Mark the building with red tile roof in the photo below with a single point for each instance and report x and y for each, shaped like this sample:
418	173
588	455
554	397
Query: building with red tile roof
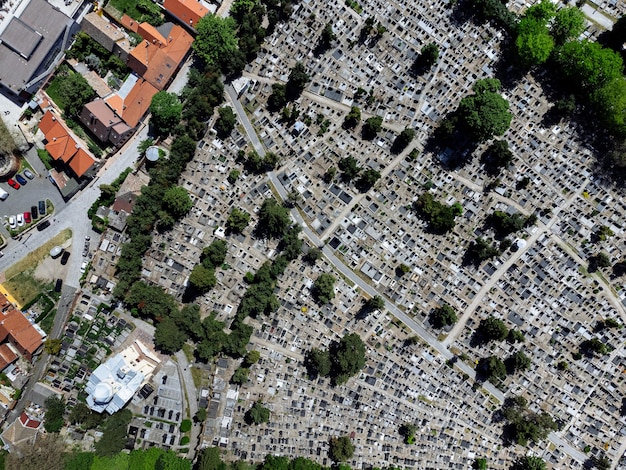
160	54
8	355
188	12
29	422
63	145
17	330
132	107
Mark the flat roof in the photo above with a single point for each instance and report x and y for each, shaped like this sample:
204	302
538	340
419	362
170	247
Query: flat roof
30	44
21	38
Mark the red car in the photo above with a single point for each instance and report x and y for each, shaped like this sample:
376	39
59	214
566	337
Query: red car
27	218
14	184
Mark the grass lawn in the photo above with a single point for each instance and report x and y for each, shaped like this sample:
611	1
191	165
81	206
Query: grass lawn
21	283
47	322
53	91
197	376
127	6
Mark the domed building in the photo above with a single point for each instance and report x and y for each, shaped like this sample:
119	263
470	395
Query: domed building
114	382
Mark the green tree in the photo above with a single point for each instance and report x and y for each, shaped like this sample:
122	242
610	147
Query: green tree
340	449
440	217
312	255
201	415
327	37
273	219
252	357
298	78
497	156
209	459
480	250
491	368
237	220
214	255
258	414
367	179
480	464
75	92
348	358
216	40
52	346
491	329
202	279
349	168
403	140
443	316
114	434
79	414
240	376
485	113
323	290
176	201
352	118
55	409
587	65
529	462
372	126
233	176
427	57
278	99
375	303
168	337
166	110
516	362
318	362
534	43
569	23
407	431
226	122
610	103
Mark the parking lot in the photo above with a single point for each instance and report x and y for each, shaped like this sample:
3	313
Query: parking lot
38	189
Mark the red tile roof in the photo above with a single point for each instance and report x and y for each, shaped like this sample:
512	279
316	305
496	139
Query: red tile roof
7	356
187	11
28	422
136	104
81	162
14	325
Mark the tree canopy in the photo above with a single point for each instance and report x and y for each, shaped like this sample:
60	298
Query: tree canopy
257	414
75	92
274	219
216	40
340	449
440	217
55	409
237	221
492	328
443	316
226	122
485	113
323	289
569	23
166	110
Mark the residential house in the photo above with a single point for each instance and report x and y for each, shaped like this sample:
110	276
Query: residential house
102	121
63	145
188	12
17	330
107	34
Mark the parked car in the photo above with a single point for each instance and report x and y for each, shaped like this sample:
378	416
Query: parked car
43	225
14	184
58	285
20	179
27	218
3	194
12	222
28	174
65	257
42	207
83	266
56	251
20	220
34	212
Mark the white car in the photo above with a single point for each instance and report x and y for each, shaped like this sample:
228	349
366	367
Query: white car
12	222
83	267
20	220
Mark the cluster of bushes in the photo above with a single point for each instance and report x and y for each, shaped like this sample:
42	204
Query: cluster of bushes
96	57
202	277
524	425
106	198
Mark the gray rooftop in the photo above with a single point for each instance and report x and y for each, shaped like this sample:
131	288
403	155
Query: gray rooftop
30	43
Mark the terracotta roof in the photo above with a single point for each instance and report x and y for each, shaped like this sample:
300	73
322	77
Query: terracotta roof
187	11
125	203
102	112
29	422
160	59
129	23
150	34
81	162
14	324
136	104
62	146
7	356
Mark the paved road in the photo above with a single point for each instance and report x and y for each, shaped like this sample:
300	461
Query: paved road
184	370
418	329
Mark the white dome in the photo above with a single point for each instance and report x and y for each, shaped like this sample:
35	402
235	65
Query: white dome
102	393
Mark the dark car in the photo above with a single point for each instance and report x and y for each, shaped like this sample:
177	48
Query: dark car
42	207
14	184
58	285
34	212
65	257
20	179
43	225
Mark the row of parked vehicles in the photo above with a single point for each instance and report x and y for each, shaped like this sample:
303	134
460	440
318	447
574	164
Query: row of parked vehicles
17	182
20	220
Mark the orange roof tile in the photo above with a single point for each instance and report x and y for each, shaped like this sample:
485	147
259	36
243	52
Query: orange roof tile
129	23
7	356
150	34
61	148
81	162
187	11
15	324
136	104
48	121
